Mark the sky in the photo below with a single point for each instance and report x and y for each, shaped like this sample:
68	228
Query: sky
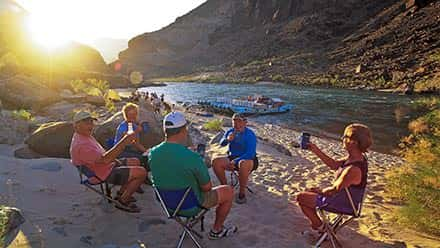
54	21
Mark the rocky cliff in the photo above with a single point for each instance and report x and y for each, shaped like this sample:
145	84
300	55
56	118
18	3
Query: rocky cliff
313	41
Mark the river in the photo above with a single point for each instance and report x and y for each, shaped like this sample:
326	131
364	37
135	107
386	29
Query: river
321	111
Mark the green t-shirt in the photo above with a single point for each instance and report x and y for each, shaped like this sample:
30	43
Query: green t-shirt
173	166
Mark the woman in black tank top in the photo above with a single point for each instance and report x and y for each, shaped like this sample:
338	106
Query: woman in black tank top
351	173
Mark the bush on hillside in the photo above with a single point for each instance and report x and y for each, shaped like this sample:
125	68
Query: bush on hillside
417	184
214	125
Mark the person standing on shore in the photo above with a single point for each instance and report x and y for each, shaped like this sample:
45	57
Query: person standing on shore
242	154
352	173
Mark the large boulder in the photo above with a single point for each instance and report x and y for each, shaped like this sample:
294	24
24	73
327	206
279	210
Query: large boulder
52	139
23	92
10	222
13	130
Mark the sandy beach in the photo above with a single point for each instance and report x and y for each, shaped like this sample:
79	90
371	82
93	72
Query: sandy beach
60	212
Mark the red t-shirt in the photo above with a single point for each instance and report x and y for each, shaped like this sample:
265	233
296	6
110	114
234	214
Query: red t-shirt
85	150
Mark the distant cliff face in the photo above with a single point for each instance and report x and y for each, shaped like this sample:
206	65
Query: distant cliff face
225	31
297	37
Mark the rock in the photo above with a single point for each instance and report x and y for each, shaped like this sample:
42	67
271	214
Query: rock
23	92
360	69
397	76
10	221
26	153
87	240
12	130
216	139
60	231
49	166
52	139
145	225
227	122
405	89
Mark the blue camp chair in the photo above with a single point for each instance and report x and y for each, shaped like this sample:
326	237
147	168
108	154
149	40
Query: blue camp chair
173	202
89	179
343	217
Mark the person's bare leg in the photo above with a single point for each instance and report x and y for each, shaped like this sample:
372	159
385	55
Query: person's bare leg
225	194
136	178
219	166
307	202
245	169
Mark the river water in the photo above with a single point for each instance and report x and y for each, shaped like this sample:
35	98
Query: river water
321	111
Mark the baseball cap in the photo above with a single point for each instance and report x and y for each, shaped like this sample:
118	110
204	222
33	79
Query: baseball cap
82	115
239	116
174	120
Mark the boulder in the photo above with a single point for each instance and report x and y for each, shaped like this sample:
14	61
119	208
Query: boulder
22	92
52	139
13	130
10	222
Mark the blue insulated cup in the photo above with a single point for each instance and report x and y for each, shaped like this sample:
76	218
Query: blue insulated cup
304	140
201	150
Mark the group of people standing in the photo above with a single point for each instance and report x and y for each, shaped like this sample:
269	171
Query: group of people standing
175	166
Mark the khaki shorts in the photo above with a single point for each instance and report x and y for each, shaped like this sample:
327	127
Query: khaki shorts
210	199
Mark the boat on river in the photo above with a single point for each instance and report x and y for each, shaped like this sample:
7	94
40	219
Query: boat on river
252	105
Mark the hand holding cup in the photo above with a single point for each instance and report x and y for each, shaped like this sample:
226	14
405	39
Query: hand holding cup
231	136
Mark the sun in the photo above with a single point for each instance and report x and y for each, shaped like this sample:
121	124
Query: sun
47	32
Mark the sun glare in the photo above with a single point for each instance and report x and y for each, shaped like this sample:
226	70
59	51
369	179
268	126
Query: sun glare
47	32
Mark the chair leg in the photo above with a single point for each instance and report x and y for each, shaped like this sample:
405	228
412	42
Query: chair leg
108	191
181	238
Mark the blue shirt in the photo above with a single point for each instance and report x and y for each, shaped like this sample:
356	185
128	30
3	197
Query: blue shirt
243	146
122	128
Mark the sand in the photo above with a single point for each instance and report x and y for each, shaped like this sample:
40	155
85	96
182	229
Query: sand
60	212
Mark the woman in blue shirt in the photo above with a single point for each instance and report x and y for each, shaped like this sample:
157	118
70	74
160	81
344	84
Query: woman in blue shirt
130	113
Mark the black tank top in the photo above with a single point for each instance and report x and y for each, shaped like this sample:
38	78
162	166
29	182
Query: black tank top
362	165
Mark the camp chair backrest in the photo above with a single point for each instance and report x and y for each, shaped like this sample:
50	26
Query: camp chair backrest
177	200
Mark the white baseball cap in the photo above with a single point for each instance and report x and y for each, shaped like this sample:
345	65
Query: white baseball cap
174	120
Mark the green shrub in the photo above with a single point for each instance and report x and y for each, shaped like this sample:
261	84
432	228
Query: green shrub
96	87
417	183
214	125
278	78
22	114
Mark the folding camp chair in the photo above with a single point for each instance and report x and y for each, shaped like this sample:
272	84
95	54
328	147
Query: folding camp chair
342	218
86	178
235	178
235	181
173	202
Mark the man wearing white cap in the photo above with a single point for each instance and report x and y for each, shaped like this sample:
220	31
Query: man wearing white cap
173	166
86	151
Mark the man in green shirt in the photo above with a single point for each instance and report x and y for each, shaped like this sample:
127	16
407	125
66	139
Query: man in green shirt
173	166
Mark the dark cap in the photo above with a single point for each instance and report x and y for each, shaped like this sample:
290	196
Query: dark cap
239	116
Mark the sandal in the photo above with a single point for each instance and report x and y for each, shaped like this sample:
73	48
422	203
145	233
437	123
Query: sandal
130	199
225	232
128	207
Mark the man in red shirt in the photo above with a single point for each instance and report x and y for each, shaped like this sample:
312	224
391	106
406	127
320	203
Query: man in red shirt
86	151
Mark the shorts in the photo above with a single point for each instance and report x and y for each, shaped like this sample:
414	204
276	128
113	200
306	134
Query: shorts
237	166
210	199
120	173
